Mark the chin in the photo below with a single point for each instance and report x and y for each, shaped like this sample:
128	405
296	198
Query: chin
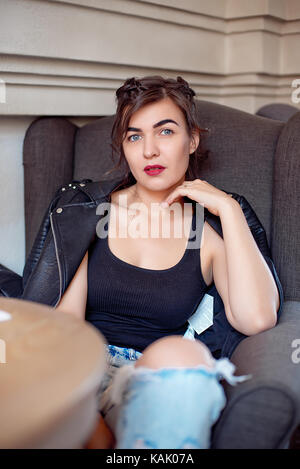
157	185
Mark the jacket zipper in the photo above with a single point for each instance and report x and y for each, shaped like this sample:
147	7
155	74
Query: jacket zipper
58	263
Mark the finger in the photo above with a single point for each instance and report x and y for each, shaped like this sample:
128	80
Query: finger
179	191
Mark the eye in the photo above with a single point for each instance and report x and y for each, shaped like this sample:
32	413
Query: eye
134	135
168	130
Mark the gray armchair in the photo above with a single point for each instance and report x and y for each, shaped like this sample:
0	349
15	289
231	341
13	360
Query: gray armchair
256	157
278	111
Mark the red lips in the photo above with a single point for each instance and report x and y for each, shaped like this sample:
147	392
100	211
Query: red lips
154	169
153	166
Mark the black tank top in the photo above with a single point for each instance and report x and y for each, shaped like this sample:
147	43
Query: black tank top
134	306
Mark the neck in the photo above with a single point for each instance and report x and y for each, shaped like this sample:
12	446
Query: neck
142	194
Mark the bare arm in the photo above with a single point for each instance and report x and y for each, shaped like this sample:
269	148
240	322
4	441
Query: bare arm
244	277
74	299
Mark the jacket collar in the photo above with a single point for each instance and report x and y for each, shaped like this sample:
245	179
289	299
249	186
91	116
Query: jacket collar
100	190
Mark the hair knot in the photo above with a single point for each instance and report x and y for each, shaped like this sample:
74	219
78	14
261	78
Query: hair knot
131	86
185	88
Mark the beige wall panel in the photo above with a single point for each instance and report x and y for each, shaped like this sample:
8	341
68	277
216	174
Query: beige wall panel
291	55
66	31
56	100
244	8
244	52
271	46
213	7
293	9
202	14
277	8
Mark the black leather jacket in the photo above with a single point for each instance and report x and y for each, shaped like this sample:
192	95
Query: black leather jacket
65	234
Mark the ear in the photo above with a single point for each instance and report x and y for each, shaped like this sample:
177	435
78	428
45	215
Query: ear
194	142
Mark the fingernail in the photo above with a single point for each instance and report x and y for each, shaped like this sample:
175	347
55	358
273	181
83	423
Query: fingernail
164	204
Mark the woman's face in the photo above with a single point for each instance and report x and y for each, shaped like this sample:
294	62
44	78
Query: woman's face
157	135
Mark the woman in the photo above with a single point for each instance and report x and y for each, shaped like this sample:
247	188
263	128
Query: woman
150	284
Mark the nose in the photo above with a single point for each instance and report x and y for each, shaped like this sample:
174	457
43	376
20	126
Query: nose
150	147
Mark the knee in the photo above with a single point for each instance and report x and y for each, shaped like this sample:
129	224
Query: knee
175	351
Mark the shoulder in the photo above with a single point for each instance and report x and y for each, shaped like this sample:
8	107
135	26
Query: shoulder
116	193
77	191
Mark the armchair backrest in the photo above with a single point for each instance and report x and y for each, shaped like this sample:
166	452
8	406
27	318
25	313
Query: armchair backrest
278	111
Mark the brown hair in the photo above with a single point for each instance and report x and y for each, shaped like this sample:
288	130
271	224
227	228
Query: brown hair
134	94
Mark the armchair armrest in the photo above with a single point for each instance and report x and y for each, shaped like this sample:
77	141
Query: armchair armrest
10	283
263	411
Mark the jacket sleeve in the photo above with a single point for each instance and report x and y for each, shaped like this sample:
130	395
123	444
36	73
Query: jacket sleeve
64	194
40	238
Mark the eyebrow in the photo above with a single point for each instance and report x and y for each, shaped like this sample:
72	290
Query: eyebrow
158	124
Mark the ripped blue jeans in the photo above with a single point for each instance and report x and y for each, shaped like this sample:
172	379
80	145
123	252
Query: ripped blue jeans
166	408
